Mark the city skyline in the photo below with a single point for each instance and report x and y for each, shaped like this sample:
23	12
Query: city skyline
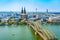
30	5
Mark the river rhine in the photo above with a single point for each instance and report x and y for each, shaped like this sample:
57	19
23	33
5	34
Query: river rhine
24	32
20	32
54	28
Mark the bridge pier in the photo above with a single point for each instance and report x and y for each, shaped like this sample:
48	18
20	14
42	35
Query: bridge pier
35	33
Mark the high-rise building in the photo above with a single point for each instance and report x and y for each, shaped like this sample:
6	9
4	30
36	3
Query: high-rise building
46	10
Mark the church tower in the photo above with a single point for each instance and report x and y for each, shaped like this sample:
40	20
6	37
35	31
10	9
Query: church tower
22	10
23	13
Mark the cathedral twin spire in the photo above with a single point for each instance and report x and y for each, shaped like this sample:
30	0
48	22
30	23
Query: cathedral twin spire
23	10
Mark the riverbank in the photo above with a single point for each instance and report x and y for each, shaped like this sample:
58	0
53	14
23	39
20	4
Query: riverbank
14	22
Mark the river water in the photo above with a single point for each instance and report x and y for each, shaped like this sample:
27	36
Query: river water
24	32
54	28
20	32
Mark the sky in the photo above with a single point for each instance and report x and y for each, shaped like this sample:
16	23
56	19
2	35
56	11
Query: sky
30	5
